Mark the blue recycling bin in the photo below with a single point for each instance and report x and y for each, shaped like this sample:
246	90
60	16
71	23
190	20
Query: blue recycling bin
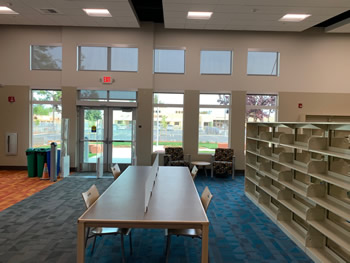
58	160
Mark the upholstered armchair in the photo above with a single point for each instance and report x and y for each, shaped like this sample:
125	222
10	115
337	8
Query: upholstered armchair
223	162
174	156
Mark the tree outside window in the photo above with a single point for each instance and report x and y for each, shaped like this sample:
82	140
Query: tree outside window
261	108
46	117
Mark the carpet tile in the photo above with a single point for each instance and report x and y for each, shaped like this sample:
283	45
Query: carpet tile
42	228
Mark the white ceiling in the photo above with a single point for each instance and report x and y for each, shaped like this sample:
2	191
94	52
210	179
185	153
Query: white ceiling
257	15
70	13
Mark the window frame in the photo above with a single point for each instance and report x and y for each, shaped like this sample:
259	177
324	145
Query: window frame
31	50
231	62
265	51
164	105
109	58
177	49
260	107
209	106
41	102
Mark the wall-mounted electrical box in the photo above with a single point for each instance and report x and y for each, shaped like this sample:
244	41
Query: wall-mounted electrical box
11	143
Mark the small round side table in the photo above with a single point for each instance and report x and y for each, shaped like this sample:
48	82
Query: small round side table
203	164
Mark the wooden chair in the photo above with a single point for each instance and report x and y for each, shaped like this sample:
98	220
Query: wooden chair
194	172
194	233
116	171
90	197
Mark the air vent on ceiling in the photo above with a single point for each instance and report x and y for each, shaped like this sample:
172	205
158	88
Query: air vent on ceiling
48	11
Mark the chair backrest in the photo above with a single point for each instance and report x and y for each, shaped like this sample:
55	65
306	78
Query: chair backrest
90	196
223	154
194	172
206	198
116	171
176	153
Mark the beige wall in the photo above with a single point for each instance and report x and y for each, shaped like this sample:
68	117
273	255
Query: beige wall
15	50
313	65
141	38
144	122
14	118
191	120
238	127
313	104
69	111
310	61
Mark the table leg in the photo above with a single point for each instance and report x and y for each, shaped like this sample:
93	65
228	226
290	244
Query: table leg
80	243
205	170
205	241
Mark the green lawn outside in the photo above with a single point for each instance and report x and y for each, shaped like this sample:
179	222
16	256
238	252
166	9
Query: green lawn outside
116	144
173	144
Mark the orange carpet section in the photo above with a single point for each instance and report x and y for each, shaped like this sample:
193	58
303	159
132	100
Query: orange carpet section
16	186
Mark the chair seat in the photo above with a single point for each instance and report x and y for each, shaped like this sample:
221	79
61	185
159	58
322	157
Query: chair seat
222	167
109	230
191	232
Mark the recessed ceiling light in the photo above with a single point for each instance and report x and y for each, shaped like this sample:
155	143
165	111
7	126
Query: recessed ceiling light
199	15
294	17
4	10
97	12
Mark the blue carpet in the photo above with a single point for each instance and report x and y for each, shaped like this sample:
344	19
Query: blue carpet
239	232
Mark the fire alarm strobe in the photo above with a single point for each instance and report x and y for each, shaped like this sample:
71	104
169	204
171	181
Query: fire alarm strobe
11	99
300	105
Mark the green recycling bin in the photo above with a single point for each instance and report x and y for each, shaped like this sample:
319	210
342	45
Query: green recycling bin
31	162
40	160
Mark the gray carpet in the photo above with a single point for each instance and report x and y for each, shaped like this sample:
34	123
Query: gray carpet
42	228
90	175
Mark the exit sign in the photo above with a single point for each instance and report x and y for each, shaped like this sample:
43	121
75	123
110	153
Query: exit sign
107	80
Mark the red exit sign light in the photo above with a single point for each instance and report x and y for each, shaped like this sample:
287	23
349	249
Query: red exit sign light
107	80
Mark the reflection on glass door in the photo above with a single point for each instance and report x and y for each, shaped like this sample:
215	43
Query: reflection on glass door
106	134
121	135
93	135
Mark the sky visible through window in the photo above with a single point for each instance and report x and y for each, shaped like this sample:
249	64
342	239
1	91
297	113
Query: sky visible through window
169	61
262	63
93	58
215	62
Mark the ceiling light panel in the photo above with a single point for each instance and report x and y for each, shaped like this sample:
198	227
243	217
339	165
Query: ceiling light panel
294	17
4	10
97	12
199	15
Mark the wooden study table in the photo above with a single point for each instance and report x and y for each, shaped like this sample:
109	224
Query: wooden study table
175	204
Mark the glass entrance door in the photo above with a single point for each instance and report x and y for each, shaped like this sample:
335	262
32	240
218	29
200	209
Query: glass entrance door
106	133
92	137
121	132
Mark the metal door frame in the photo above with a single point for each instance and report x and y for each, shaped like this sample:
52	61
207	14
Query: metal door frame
107	137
